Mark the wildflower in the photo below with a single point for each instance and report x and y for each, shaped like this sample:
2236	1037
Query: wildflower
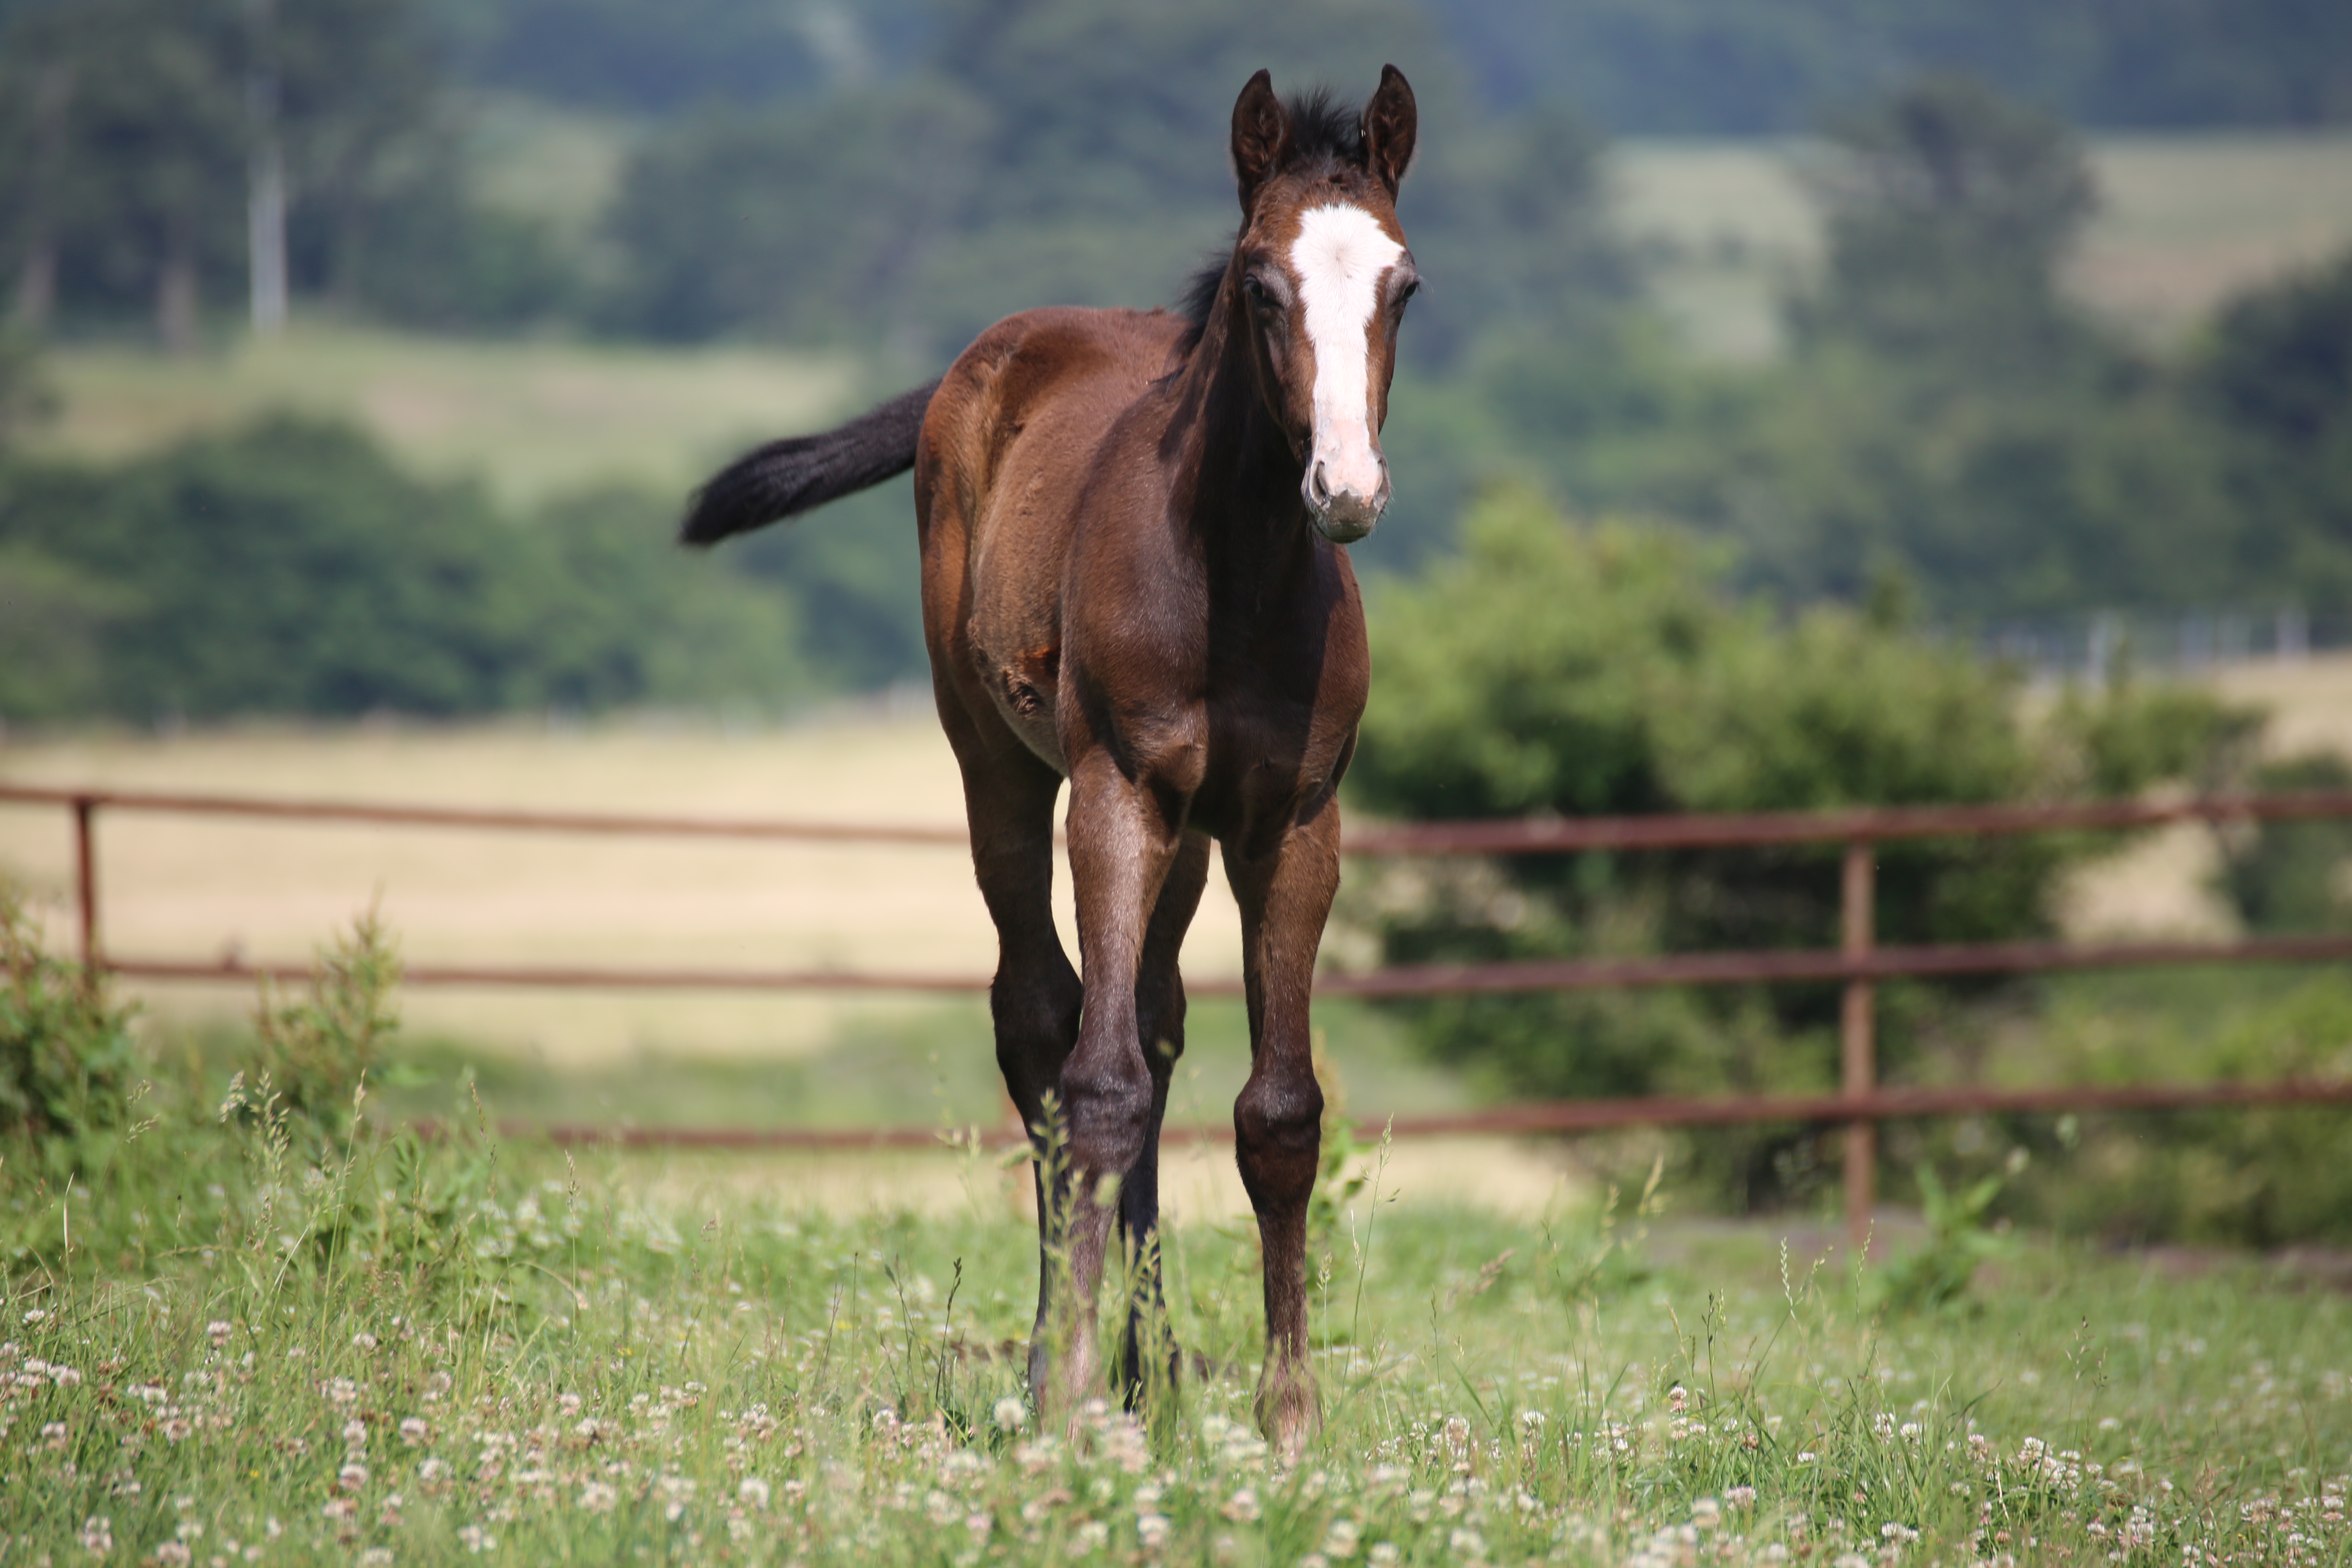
477	1540
1011	1415
218	1331
1152	1531
1092	1537
598	1497
414	1431
1807	1457
977	1526
98	1535
1339	1541
37	1315
1242	1506
53	1435
1677	1400
355	1434
1706	1513
1739	1497
352	1477
376	1557
364	1341
178	1430
1467	1543
753	1493
175	1554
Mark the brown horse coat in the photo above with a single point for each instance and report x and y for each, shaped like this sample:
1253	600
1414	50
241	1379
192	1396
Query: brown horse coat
1130	526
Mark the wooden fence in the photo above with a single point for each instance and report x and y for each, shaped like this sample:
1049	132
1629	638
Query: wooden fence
1857	963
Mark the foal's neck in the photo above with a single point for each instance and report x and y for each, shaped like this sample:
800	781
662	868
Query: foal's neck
1242	490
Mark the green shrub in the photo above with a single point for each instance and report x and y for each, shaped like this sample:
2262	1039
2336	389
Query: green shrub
67	1063
1561	670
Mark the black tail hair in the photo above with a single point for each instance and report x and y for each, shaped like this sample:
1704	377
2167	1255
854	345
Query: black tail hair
800	473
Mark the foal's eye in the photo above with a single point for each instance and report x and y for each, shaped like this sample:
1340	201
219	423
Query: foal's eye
1413	287
1260	297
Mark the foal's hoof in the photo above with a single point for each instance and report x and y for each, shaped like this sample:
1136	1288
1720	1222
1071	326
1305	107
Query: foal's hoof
1288	1413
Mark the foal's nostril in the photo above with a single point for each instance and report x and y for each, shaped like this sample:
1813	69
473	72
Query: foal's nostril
1318	489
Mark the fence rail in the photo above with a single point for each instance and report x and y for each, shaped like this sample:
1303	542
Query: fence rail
1857	963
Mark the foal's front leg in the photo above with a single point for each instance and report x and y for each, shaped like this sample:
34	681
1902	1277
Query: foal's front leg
1285	897
1122	847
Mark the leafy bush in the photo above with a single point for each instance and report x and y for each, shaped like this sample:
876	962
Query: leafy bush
2288	876
67	1064
291	567
2254	1176
1580	671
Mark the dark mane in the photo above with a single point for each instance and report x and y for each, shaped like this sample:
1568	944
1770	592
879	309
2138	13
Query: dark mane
1323	132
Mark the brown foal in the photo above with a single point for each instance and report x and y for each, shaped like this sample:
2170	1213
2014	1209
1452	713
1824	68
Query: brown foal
1130	526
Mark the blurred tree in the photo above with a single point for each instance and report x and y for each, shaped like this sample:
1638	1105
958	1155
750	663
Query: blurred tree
2275	373
1948	211
130	131
122	154
290	568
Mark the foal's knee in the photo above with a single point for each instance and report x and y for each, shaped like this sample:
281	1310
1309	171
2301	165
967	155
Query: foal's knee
1278	1134
1107	1104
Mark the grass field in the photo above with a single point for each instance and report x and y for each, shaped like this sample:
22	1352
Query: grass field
2184	221
409	1355
531	418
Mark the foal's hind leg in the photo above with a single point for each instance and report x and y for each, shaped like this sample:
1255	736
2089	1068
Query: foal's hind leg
1034	998
1147	1349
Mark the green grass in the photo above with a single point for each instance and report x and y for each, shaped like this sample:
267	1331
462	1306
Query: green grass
929	1067
537	1357
260	1326
2184	221
531	418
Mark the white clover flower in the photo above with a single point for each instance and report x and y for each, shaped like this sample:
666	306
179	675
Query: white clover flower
1092	1537
753	1493
598	1497
218	1331
1242	1506
1012	1414
352	1477
414	1431
1739	1497
363	1340
98	1535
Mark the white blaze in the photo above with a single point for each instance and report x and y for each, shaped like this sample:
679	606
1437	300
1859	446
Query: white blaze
1339	257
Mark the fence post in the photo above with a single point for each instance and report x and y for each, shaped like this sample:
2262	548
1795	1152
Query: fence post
1859	1043
85	880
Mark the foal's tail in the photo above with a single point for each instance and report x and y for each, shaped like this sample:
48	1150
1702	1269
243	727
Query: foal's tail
784	478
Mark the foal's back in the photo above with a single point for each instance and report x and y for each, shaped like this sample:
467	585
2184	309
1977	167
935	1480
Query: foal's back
1008	453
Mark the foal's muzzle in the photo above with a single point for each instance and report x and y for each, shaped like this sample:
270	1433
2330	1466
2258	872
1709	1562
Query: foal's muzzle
1342	516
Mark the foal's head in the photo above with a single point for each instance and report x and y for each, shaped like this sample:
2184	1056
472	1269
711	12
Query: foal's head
1318	280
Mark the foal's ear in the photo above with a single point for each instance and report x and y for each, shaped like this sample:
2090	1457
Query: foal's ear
1261	130
1390	123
